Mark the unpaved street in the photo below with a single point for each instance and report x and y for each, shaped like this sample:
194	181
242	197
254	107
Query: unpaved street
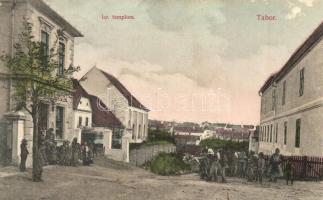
107	180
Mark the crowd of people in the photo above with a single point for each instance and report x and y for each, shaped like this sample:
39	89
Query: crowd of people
67	154
251	166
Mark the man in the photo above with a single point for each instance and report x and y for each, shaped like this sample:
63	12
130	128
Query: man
224	164
242	164
75	152
23	155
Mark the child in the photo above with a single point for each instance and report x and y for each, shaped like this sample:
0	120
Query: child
289	172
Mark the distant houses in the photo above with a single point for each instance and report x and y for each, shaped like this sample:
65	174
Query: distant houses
291	102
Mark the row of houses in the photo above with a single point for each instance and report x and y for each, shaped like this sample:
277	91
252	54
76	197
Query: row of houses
292	102
99	109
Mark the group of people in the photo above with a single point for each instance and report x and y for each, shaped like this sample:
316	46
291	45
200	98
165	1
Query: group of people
251	166
67	154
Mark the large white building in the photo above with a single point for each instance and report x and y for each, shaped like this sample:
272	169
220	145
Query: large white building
292	103
132	114
59	115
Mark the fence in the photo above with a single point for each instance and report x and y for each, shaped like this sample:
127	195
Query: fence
140	156
304	167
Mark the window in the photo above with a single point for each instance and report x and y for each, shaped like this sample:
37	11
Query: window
285	133
298	133
276	134
271	133
45	47
133	132
61	58
59	121
284	93
80	121
273	105
301	82
87	122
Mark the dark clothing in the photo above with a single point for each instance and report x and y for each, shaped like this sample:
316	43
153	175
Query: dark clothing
289	173
23	157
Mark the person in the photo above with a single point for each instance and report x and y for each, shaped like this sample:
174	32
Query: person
261	166
223	160
289	176
250	166
242	164
85	152
275	168
68	153
75	152
234	164
203	164
23	155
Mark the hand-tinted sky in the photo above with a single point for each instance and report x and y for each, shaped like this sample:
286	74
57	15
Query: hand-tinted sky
191	60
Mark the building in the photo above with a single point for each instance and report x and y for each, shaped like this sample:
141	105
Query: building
98	125
132	114
292	102
190	135
16	125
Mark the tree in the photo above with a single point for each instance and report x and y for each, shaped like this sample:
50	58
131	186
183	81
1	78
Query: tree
36	79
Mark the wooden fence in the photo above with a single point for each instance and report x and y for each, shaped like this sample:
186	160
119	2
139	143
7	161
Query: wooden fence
304	167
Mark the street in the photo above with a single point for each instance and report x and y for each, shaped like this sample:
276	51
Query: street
113	180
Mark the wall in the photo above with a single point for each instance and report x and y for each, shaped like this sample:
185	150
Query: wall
307	108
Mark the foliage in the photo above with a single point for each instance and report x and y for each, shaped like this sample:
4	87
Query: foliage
225	144
168	164
160	135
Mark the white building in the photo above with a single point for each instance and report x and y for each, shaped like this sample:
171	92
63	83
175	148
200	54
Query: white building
59	115
132	114
98	125
292	103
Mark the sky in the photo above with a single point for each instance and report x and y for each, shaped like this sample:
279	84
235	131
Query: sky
191	60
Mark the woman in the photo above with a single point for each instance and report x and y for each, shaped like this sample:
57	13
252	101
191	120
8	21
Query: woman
275	162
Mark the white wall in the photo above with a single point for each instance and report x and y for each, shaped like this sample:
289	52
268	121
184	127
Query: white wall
308	108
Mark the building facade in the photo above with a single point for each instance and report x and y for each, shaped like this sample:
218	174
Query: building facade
132	114
292	103
59	115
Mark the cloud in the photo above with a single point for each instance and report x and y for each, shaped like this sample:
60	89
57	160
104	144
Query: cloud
308	3
294	12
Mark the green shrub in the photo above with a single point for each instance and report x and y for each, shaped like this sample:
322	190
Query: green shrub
160	135
168	164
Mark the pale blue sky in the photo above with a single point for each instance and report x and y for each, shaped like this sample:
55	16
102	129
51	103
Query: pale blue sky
191	60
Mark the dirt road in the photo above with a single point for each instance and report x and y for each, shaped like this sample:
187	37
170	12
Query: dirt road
106	180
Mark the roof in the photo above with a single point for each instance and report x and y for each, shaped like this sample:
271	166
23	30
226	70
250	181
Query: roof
101	115
78	93
132	101
44	8
189	129
296	56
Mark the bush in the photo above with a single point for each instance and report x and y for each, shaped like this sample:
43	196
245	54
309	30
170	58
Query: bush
160	135
225	144
168	164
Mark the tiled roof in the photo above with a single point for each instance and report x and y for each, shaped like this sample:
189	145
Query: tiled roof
101	115
78	93
132	101
296	56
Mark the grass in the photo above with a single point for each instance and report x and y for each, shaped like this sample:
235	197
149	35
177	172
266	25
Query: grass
168	164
